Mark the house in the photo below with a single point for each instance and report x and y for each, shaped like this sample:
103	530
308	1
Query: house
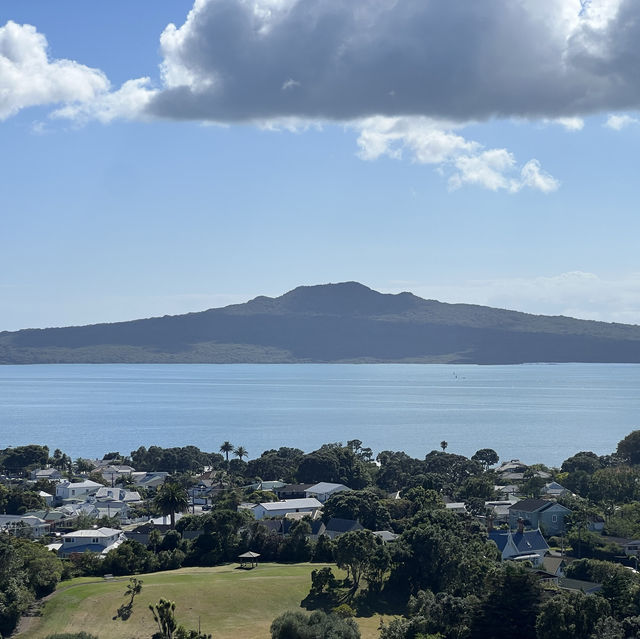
292	491
587	587
631	548
77	490
324	490
500	509
99	540
337	526
554	489
508	492
267	485
46	497
50	474
554	565
24	525
55	518
539	513
117	494
523	545
511	466
281	508
149	481
456	507
114	473
386	535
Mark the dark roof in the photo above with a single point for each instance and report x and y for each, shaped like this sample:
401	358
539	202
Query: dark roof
272	525
527	541
578	584
335	524
293	488
531	505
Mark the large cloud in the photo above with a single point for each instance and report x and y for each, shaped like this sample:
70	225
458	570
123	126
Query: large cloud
237	60
29	78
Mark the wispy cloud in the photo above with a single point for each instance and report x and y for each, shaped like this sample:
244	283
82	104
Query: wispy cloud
575	294
619	122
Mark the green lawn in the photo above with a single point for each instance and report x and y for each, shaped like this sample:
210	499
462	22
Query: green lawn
230	603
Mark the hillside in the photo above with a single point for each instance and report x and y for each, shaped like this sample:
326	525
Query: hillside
345	322
231	603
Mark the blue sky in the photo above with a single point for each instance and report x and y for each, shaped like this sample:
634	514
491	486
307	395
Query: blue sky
409	146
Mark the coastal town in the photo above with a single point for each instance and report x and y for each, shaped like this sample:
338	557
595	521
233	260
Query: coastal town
392	527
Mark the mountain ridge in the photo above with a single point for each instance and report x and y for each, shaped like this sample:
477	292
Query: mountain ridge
340	322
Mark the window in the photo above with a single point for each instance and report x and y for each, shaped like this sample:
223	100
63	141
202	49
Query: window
554	518
94	540
69	540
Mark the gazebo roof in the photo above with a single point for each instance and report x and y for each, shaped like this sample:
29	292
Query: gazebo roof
249	555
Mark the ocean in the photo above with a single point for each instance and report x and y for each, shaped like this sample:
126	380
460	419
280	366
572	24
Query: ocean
537	412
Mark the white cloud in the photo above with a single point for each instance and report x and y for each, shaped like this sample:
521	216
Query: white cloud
29	78
569	124
619	122
427	141
574	294
128	102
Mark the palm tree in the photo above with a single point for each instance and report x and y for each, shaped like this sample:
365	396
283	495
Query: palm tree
172	498
443	445
226	448
241	452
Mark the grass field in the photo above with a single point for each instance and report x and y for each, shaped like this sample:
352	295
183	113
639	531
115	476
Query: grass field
229	603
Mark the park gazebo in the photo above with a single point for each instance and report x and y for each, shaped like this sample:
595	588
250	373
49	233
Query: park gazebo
248	557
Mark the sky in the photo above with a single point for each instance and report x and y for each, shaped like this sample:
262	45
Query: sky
170	156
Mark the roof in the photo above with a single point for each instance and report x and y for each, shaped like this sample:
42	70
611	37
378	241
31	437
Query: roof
249	555
531	505
94	532
335	524
285	504
577	584
87	483
325	487
294	488
385	535
552	564
525	542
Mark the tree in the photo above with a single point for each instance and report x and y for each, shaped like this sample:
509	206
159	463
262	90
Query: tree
164	615
570	615
355	551
172	498
241	452
629	448
318	625
134	588
226	448
443	445
486	456
512	595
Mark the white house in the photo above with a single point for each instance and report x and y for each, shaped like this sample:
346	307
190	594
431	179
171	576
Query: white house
282	508
50	474
99	540
24	526
523	545
104	493
324	490
77	490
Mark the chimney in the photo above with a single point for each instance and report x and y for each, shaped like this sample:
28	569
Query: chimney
520	525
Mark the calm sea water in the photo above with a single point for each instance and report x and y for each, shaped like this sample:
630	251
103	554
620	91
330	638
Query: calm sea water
535	412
